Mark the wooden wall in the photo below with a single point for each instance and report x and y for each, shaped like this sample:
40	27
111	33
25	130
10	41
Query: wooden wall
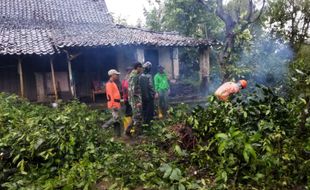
9	78
92	64
31	65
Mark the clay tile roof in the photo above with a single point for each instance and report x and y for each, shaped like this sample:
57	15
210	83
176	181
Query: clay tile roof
44	26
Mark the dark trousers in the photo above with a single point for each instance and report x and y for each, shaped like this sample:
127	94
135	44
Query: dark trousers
163	102
148	109
128	109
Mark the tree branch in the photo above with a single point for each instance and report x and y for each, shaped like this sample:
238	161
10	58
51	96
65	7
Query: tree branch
250	11
249	18
203	2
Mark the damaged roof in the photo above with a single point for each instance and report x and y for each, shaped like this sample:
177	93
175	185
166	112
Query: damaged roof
45	26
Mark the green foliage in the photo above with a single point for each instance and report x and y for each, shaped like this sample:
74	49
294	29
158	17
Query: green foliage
64	148
300	73
50	148
254	141
187	17
290	19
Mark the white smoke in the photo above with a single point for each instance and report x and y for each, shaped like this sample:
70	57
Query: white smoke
267	61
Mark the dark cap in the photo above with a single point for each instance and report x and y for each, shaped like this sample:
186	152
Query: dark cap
137	65
161	67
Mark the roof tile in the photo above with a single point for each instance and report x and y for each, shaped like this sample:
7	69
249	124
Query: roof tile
43	26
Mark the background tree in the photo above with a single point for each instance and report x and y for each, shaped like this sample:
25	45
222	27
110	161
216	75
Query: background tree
189	18
229	24
237	16
256	35
291	19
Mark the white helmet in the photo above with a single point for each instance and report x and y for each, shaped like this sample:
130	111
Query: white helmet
112	72
147	65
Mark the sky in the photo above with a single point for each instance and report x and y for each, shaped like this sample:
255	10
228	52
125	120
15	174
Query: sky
131	10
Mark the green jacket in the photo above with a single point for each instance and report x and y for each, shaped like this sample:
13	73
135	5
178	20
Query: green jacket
161	82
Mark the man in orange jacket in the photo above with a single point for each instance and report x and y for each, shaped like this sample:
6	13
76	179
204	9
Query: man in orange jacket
114	101
229	88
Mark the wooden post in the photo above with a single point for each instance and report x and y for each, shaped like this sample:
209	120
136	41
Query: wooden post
53	78
172	62
176	64
71	81
21	78
71	78
204	60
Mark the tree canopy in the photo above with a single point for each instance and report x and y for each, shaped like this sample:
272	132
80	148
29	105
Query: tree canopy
239	26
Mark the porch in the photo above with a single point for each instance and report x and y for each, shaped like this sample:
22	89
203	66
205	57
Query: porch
72	73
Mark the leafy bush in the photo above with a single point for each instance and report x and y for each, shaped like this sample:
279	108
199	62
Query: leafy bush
50	148
64	148
254	141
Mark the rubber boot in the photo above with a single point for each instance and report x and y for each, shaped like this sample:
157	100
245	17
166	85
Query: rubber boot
128	131
117	129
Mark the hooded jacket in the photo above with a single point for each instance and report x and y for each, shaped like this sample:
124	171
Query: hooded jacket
147	87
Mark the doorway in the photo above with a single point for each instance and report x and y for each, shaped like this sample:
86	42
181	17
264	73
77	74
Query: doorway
152	55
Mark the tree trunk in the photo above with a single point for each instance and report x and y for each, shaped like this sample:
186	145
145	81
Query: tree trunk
204	70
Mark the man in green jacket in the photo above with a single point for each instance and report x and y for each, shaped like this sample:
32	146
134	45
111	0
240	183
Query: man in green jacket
162	88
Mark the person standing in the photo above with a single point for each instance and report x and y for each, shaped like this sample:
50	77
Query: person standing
114	101
162	88
229	88
128	109
135	99
148	93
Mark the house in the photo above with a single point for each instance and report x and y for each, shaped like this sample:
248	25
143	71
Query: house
56	48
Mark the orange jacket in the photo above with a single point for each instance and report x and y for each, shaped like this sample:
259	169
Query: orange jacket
228	88
113	95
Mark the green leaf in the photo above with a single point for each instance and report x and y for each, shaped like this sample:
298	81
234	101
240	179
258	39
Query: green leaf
222	147
299	72
259	176
224	176
164	167
168	172
175	175
16	158
21	166
235	133
68	187
178	150
251	150
143	177
245	114
245	156
38	143
181	187
221	136
255	137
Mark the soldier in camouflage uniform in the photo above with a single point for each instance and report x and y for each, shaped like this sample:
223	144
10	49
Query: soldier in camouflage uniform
135	99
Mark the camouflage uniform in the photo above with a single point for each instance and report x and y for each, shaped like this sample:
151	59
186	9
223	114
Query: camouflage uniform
134	92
